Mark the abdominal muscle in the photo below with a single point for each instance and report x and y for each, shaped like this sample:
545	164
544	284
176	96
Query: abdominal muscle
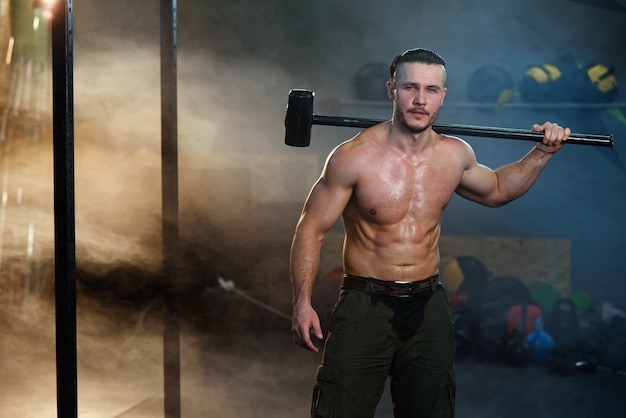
407	251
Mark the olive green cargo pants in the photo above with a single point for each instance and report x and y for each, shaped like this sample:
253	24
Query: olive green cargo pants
373	337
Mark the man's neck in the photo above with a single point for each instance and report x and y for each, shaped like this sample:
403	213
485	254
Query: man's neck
406	139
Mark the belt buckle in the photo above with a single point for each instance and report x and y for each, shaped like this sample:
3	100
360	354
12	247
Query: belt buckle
405	285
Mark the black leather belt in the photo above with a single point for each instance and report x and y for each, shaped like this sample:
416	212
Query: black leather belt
389	288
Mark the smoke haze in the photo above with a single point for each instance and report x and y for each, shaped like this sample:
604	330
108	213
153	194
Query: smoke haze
241	188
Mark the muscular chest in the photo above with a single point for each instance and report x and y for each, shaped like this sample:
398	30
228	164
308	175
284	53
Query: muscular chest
397	190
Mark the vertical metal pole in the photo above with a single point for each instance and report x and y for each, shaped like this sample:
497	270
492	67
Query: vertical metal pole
169	182
64	216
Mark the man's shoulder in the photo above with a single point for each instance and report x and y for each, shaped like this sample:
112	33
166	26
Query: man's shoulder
455	145
453	141
456	150
364	143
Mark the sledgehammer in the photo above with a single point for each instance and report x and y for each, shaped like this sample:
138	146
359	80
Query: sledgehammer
299	120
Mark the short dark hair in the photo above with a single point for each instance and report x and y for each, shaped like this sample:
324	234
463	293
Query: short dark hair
416	55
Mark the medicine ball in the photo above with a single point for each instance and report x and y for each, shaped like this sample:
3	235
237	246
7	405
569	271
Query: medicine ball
544	294
583	302
370	81
466	274
490	337
490	84
594	83
507	290
544	83
465	323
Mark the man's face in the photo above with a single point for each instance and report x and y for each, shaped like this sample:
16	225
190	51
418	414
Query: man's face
418	93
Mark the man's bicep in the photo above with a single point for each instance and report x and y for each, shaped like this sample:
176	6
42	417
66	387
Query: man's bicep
478	183
326	203
332	191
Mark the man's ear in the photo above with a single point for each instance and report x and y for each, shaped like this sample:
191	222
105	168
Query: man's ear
390	89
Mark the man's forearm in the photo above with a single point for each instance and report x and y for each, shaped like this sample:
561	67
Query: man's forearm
305	261
515	179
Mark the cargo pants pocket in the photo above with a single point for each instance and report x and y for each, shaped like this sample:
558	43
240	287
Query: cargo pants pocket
326	382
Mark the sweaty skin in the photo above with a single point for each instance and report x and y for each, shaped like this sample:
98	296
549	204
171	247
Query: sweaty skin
391	184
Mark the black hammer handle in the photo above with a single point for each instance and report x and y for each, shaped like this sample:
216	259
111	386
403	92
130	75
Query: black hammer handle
480	131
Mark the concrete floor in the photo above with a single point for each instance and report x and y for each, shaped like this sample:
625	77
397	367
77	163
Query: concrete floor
240	375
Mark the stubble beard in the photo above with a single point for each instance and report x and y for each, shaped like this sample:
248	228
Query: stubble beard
415	128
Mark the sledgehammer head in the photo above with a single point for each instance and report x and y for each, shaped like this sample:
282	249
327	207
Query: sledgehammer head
299	118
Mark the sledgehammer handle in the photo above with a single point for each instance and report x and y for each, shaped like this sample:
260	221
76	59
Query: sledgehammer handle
480	131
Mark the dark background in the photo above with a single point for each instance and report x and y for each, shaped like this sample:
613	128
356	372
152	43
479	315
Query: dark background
241	188
238	61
